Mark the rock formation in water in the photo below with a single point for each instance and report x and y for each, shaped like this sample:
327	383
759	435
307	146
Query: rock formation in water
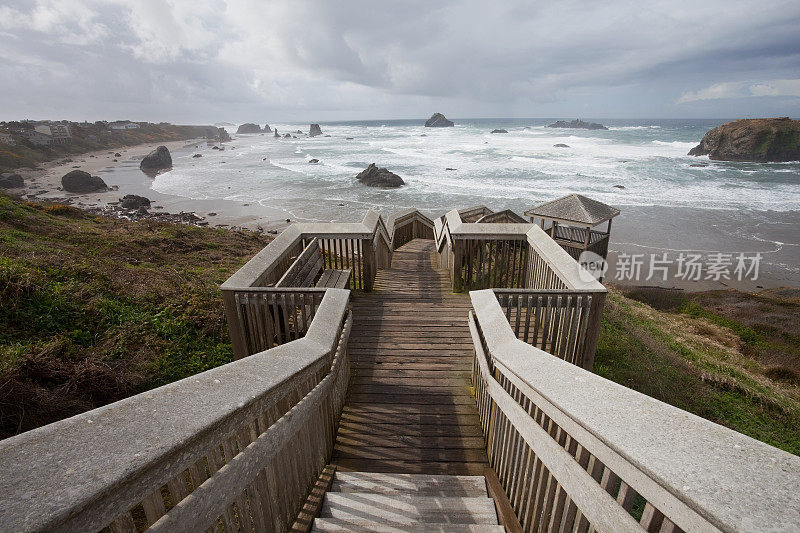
78	181
314	130
277	135
373	176
267	129
438	120
560	145
499	131
577	124
249	128
158	159
759	140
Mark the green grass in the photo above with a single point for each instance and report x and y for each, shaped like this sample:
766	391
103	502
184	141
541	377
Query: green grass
93	310
639	348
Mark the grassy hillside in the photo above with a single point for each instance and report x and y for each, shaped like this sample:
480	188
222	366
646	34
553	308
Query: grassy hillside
728	356
91	137
94	309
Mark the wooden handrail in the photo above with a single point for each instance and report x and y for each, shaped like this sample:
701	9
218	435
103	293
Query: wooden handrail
91	470
593	447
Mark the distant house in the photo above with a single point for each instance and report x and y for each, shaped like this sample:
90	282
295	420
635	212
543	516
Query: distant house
6	138
123	125
39	135
60	133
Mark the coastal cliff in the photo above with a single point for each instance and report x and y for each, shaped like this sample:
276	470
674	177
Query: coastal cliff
759	140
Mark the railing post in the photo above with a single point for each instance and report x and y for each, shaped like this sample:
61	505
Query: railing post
458	259
369	263
235	327
593	329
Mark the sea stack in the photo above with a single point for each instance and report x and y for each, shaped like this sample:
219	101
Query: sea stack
314	130
759	140
267	129
372	176
157	160
438	120
577	124
249	128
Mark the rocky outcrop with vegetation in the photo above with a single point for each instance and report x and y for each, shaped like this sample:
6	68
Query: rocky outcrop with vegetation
438	120
759	140
372	176
577	124
90	137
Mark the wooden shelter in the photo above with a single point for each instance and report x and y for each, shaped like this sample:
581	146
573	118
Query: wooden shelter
571	220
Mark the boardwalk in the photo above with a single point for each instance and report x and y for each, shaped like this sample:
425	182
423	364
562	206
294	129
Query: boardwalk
409	407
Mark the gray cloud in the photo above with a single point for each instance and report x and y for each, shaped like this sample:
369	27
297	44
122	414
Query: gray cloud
302	60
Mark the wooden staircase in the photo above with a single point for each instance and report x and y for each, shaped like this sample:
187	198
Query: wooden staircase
368	501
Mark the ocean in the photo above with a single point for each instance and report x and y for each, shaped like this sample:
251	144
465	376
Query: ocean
633	163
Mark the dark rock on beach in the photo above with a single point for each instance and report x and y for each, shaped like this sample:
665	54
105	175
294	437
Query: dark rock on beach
759	140
372	176
314	130
78	181
438	120
133	201
249	128
117	154
499	131
577	124
560	145
158	159
12	181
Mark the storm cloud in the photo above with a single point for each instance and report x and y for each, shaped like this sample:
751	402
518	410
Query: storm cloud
291	60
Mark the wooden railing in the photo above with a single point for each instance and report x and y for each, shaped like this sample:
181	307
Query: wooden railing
261	315
555	321
573	240
576	452
408	225
235	448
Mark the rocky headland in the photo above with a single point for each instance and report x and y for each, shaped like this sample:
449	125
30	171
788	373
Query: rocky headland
759	140
577	124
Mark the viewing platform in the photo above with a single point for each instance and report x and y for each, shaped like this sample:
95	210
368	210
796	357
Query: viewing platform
400	374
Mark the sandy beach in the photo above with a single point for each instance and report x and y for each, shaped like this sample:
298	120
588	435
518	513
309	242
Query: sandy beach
123	176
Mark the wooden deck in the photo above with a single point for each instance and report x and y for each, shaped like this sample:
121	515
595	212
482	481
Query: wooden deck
409	407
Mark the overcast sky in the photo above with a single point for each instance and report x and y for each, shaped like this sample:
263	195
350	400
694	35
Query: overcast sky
277	61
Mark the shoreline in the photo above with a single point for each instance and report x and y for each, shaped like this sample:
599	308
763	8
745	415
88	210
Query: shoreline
643	230
44	182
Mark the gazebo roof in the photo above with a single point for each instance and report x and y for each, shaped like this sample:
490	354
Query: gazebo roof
575	208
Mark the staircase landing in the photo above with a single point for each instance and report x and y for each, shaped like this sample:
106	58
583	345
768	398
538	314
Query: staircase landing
409	407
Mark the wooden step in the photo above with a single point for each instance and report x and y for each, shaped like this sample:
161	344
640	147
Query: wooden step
400	509
410	484
338	525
